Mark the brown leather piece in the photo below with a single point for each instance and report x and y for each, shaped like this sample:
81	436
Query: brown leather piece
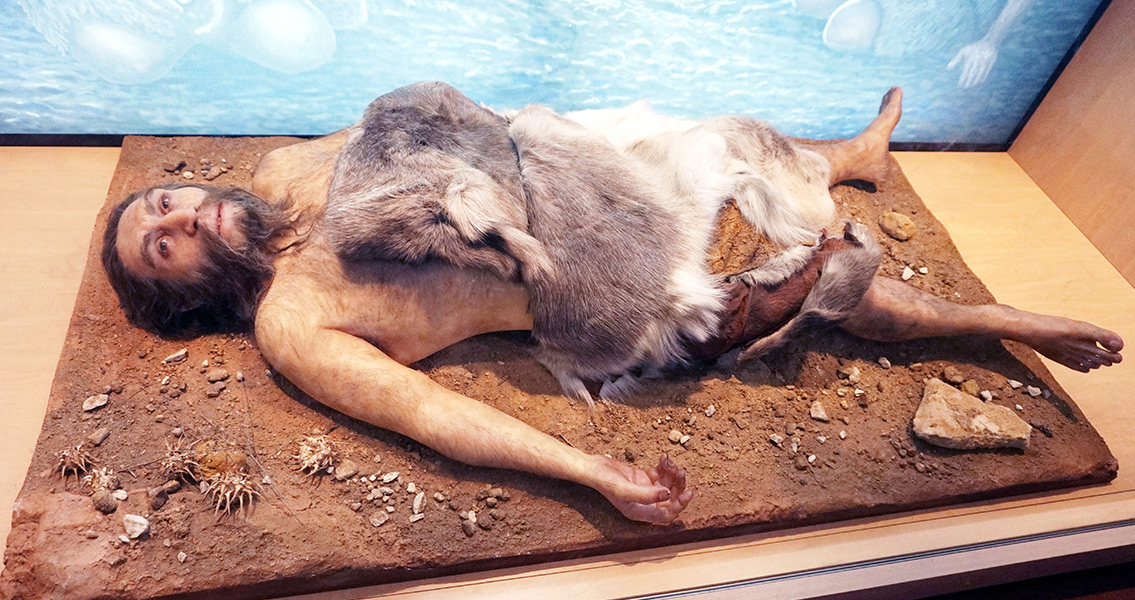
752	312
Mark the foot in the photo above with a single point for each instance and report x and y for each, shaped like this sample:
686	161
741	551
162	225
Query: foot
654	496
1075	344
877	137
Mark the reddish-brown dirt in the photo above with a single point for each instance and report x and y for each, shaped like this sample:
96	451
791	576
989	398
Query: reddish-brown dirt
307	533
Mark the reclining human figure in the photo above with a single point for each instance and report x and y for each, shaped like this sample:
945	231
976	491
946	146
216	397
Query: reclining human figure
434	220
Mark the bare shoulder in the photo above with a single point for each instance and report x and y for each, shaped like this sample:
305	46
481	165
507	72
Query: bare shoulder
302	168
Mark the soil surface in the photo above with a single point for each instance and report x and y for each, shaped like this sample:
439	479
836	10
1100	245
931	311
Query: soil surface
306	532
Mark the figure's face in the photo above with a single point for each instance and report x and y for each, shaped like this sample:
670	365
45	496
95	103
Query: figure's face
168	234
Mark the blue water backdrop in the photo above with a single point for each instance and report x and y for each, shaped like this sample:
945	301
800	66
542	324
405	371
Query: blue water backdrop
693	59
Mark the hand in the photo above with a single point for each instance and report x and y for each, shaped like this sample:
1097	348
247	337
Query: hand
654	496
977	61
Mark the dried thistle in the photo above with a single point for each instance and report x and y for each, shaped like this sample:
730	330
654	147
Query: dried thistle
73	460
225	490
101	479
179	463
317	454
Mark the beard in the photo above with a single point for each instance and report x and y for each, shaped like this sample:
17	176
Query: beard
227	288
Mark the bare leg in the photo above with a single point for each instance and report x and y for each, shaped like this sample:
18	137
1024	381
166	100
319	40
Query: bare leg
865	155
893	311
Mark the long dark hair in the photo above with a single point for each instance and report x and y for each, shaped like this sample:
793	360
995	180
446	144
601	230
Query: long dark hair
223	298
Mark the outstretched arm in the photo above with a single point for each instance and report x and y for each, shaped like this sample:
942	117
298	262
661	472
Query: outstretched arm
355	378
977	59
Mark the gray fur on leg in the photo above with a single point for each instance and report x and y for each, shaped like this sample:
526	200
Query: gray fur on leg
845	279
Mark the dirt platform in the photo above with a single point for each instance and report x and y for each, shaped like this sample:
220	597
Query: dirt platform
306	533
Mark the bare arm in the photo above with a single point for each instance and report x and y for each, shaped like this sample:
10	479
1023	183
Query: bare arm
976	59
352	376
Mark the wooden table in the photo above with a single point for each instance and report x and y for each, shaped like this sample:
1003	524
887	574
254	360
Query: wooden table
1024	249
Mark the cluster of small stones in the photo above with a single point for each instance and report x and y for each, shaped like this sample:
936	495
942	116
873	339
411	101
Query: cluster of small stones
207	169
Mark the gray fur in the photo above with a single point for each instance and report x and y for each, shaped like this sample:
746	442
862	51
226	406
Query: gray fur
779	268
612	304
429	174
841	286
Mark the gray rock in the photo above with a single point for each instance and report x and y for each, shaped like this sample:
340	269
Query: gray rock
675	436
104	501
136	526
1013	383
99	436
414	518
95	401
953	419
1033	391
897	225
379	518
851	374
215	389
817	411
391	476
346	470
468	527
420	502
177	357
952	375
776	439
215	375
884	362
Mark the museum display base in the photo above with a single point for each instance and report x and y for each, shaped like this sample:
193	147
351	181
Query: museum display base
745	483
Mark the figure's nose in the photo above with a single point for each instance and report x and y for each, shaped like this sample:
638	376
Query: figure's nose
184	219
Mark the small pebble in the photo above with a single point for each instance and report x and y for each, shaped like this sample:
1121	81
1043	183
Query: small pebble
817	412
1013	383
776	439
439	496
683	440
821	439
240	375
491	502
414	518
884	362
178	356
136	526
842	435
811	458
675	436
91	534
710	410
181	556
177	432
104	501
1033	391
99	436
379	518
411	488
923	270
95	401
165	380
171	486
420	502
907	273
119	495
391	476
801	462
951	374
1018	407
468	527
986	395
389	509
216	375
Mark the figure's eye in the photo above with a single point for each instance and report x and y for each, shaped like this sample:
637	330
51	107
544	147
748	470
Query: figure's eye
163	248
165	203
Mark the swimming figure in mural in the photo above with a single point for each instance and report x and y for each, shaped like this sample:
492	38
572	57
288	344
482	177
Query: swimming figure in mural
135	41
898	28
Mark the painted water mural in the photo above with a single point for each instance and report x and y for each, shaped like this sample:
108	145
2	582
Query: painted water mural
814	68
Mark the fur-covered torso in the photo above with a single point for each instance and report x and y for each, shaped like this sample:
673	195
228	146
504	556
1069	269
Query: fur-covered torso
605	216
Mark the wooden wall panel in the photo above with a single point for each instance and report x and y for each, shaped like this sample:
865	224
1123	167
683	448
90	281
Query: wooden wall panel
1079	146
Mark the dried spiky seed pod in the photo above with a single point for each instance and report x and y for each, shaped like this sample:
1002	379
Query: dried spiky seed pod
101	479
178	463
317	454
226	490
73	460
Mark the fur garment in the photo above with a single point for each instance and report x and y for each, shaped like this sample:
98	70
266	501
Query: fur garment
605	216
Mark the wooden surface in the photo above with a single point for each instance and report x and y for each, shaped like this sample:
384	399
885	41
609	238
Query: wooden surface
1027	252
1078	145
